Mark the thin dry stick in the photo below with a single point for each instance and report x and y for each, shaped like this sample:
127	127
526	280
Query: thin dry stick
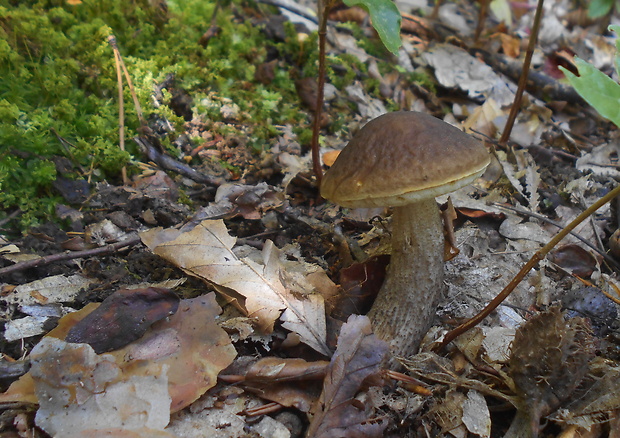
53	258
134	96
132	90
516	106
537	257
121	103
324	7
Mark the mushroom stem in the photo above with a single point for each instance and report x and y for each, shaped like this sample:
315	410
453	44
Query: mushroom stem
405	306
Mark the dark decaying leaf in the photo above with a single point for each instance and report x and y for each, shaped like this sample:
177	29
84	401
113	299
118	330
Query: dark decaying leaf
123	317
360	284
359	355
575	260
549	359
289	382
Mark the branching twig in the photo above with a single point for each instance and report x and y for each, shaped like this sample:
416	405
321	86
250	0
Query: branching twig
61	257
537	257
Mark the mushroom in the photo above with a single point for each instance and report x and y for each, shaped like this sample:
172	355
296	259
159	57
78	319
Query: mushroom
404	160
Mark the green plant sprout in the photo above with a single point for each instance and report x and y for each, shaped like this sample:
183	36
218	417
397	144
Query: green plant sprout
598	89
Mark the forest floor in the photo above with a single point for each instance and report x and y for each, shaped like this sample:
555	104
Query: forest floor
231	294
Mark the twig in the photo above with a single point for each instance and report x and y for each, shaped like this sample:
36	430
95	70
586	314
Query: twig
482	17
61	257
10	217
516	105
609	259
324	7
168	163
537	257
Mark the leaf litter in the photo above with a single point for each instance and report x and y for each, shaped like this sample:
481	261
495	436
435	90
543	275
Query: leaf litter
561	160
264	289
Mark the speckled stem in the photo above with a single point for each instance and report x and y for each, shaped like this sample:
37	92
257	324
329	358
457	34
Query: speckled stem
404	309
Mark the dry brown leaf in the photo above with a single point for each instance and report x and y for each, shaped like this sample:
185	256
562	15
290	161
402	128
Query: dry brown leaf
510	45
275	369
329	157
359	355
300	396
263	290
190	344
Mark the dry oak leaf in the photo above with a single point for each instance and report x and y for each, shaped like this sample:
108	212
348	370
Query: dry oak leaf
263	289
337	414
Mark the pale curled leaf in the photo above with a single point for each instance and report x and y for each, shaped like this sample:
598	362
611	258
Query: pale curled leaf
476	416
264	288
359	355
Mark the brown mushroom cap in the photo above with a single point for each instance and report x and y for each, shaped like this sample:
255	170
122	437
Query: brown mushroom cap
403	157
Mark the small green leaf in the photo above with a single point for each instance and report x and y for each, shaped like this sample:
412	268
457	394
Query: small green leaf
599	8
598	89
385	18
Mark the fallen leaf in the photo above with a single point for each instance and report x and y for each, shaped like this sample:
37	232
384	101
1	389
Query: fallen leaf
158	185
574	259
359	355
330	157
360	284
55	289
251	202
275	369
447	412
123	317
476	416
79	390
455	67
601	399
510	45
189	343
263	289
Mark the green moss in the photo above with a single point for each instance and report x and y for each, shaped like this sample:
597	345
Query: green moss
59	80
59	76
